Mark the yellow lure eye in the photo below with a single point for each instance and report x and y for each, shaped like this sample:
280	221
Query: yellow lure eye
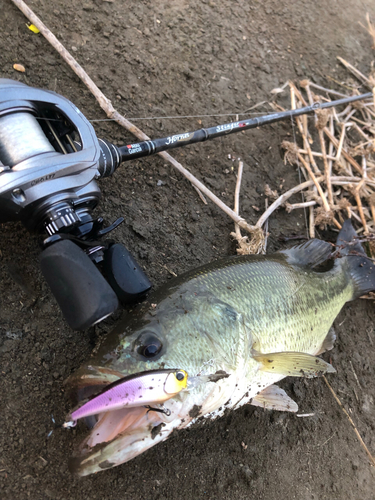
175	382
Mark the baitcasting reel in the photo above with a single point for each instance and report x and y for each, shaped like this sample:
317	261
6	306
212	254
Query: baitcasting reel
50	159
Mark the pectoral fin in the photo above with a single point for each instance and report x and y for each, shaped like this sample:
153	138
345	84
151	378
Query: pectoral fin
274	398
293	364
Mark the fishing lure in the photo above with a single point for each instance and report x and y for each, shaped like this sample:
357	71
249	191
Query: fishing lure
140	389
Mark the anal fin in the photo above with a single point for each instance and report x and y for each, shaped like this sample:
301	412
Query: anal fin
274	398
293	364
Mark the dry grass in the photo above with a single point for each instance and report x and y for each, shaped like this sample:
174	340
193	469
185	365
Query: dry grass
335	152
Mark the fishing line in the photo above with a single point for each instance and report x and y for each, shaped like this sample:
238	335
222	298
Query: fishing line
300	179
175	117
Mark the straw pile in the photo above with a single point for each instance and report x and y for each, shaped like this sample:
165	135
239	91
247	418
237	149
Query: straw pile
336	156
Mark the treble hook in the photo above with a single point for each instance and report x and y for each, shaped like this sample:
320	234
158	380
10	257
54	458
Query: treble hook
164	410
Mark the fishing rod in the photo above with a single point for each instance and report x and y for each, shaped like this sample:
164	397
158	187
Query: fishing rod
146	148
50	160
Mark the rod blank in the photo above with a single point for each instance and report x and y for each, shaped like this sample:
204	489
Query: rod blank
146	148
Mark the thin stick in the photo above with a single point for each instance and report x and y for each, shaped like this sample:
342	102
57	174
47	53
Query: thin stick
360	131
327	166
354	215
265	229
295	206
330	147
366	124
298	93
200	195
295	92
318	155
282	199
346	155
111	112
362	144
361	77
312	223
306	85
318	186
344	180
354	373
372	113
351	422
358	198
346	110
341	142
327	169
372	210
329	91
370	28
305	185
237	198
347	118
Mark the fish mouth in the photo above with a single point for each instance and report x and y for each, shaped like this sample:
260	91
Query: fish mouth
120	435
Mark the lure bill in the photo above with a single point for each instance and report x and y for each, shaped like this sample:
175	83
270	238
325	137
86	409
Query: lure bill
141	389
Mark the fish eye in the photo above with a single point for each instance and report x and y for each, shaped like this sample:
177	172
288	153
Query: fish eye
148	345
180	376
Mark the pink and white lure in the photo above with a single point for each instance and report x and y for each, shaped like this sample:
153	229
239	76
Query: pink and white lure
141	389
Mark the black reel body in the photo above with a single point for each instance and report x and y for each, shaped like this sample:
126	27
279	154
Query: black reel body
50	159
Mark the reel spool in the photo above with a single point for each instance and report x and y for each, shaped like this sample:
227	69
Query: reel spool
50	159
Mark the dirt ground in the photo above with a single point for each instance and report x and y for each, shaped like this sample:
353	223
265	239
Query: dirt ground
162	59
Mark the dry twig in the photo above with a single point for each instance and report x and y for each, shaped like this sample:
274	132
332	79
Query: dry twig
372	460
360	76
370	28
282	199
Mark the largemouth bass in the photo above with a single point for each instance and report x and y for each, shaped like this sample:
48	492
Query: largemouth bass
237	325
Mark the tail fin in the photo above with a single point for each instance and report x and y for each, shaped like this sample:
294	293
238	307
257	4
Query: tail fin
361	268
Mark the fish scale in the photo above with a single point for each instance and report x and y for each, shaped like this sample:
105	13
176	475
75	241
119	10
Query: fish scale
273	297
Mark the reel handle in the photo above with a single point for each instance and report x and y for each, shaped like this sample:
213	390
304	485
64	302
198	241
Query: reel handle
125	275
84	296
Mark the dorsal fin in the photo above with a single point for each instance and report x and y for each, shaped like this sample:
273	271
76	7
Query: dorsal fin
312	253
